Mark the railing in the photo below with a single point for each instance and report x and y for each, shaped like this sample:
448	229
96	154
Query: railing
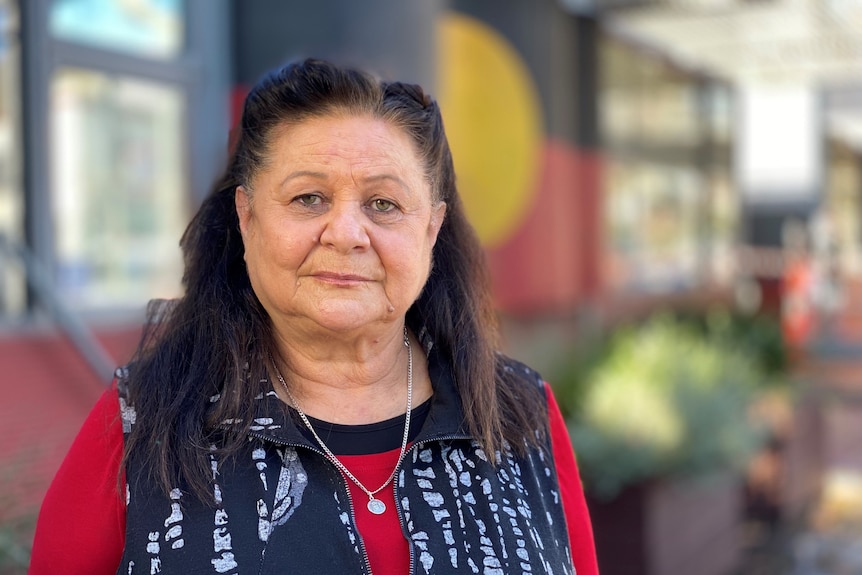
39	280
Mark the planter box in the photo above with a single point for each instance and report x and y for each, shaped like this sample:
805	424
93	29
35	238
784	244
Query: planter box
671	527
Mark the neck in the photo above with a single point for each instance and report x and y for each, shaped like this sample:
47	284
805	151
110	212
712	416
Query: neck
348	381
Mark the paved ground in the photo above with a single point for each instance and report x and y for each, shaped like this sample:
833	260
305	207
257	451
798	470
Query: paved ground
829	542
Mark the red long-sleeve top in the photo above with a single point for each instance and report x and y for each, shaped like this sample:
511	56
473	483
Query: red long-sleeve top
86	488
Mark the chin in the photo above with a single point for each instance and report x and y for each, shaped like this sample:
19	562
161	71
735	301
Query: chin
345	318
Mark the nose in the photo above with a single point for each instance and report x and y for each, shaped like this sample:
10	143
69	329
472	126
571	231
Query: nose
344	228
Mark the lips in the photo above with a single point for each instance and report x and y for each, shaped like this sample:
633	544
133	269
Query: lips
340	278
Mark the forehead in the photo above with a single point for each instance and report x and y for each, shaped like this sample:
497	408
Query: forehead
359	139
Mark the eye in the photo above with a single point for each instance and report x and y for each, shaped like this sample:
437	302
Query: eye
309	200
381	205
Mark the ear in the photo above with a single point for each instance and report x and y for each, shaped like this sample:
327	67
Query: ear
242	201
438	216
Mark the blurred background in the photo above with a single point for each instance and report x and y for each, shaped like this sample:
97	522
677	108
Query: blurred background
669	192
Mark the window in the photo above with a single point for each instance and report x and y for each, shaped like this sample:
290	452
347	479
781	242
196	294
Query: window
119	200
116	156
147	28
672	212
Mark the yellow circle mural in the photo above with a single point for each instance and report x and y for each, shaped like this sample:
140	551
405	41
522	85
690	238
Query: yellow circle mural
493	120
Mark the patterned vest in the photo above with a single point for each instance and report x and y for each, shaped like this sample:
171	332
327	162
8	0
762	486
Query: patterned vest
283	508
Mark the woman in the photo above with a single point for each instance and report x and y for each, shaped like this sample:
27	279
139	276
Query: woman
327	396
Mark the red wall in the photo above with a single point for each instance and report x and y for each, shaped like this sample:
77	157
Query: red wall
551	263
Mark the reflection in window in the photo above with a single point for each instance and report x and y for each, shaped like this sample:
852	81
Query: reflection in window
654	222
149	28
118	189
12	280
672	212
646	102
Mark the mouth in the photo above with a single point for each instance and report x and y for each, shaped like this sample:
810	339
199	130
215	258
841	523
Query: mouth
339	279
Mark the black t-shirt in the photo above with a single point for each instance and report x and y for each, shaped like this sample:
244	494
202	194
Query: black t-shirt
370	438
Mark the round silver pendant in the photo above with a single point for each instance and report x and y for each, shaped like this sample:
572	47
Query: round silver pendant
376	506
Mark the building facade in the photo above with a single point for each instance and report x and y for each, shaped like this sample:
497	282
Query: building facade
600	173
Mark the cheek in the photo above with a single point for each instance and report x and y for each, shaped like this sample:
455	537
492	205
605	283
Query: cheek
270	251
409	264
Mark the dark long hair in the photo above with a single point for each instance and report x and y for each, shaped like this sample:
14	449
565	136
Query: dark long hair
213	341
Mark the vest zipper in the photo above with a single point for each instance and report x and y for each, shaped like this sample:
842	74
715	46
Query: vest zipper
400	511
320	452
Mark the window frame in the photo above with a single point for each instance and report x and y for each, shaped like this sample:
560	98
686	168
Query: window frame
202	72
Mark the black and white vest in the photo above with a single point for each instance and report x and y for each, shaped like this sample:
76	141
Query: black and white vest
283	508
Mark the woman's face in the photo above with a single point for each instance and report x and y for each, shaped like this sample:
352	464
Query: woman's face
339	225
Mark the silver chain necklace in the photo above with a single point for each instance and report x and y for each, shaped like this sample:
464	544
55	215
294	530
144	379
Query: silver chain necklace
375	506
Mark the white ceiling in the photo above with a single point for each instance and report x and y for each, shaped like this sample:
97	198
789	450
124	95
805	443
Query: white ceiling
761	40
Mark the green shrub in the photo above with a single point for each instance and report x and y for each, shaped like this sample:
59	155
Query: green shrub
757	335
668	397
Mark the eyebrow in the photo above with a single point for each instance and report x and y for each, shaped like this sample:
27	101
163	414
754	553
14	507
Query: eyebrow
302	174
324	176
387	177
